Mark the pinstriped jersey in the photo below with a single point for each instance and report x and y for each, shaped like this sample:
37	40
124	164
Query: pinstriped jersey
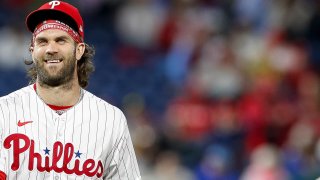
90	140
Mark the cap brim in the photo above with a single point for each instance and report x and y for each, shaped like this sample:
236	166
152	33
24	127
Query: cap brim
38	16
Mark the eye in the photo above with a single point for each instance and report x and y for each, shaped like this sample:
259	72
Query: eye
61	41
41	42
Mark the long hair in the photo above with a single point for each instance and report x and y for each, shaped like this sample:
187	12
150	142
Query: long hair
84	67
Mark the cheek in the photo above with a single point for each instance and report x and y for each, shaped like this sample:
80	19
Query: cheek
37	52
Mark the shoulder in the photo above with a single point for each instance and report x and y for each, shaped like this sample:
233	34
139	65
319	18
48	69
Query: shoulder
9	103
13	97
113	115
104	105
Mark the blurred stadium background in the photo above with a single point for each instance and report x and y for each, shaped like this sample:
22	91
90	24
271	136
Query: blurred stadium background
212	89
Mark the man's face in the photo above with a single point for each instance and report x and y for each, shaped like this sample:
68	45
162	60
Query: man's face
54	55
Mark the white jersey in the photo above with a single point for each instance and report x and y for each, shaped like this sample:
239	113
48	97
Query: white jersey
91	140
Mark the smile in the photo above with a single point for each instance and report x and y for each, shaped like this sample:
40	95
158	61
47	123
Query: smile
53	61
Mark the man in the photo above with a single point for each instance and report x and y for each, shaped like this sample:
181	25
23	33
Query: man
53	128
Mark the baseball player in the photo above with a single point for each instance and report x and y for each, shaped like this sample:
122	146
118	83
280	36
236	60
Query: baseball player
54	128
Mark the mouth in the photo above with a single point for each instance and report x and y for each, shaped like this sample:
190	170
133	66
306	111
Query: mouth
52	61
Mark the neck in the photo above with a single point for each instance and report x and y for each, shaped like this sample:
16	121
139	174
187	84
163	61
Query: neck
64	95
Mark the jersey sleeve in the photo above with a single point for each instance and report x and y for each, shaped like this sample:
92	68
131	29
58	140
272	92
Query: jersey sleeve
2	152
123	163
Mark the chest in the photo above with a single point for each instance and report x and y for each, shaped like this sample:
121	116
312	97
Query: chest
76	142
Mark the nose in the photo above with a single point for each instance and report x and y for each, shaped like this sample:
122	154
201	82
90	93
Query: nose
52	48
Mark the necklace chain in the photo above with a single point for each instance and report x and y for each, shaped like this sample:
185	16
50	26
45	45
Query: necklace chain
64	110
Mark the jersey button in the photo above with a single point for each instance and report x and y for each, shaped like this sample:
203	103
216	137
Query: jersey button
57	177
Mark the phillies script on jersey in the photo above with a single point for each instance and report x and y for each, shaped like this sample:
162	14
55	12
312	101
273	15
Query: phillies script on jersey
89	167
89	141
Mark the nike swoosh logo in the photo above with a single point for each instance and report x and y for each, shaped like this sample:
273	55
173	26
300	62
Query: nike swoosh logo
23	123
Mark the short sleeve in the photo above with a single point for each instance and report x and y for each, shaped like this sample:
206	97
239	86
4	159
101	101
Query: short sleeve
123	162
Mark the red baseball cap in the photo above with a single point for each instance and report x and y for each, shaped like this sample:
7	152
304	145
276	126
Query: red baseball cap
56	10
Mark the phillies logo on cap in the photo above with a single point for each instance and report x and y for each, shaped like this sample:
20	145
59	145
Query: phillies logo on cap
54	3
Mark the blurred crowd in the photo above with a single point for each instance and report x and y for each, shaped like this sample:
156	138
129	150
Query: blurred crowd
212	89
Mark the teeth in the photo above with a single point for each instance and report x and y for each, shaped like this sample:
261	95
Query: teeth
53	61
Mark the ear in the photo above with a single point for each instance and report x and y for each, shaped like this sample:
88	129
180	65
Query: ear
31	50
80	50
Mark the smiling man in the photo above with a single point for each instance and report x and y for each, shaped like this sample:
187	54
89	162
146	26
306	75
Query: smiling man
54	128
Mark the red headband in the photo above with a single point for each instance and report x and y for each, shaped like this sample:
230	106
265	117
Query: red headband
55	24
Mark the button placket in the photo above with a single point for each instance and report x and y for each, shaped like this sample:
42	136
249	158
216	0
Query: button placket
60	122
